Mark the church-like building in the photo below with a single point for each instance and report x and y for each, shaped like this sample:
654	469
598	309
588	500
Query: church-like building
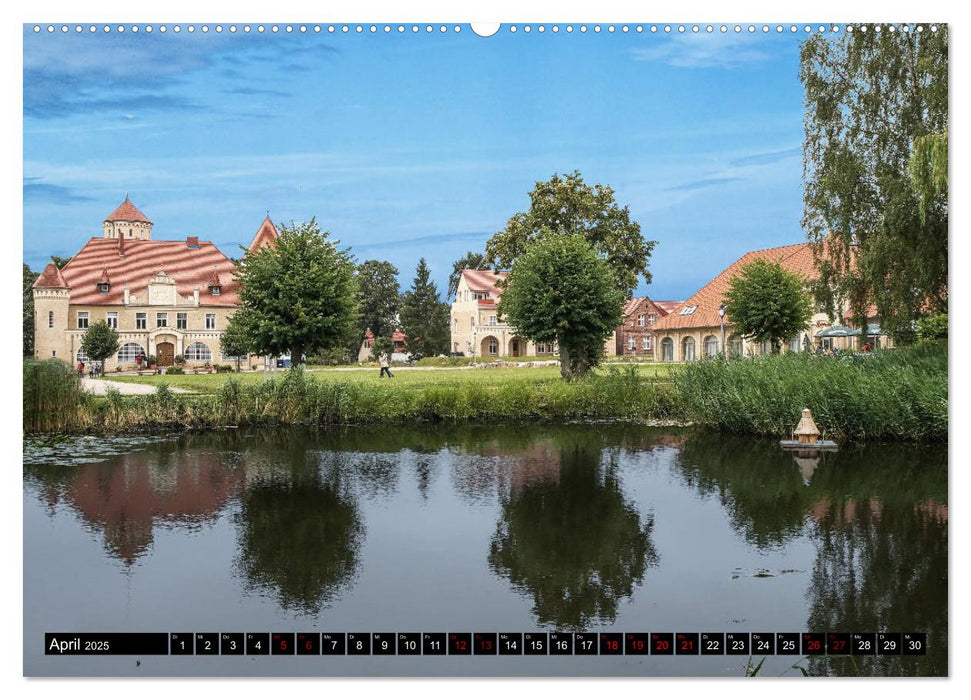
165	298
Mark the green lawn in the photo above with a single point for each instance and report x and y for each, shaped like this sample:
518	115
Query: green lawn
208	383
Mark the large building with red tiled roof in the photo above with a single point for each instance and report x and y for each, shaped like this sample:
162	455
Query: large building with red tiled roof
478	331
165	298
696	327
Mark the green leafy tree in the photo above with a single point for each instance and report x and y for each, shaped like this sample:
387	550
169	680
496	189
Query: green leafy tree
29	278
933	327
560	291
298	295
565	204
767	302
379	300
875	163
236	340
100	341
424	317
59	261
470	261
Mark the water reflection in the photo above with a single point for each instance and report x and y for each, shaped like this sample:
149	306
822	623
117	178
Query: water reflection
568	538
299	535
126	498
878	515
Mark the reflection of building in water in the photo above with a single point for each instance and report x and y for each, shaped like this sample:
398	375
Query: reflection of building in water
494	469
128	497
807	461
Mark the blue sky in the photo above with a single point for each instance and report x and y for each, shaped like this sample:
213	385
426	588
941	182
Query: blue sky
417	144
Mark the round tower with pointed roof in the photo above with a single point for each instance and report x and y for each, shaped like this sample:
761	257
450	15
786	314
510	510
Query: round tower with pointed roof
128	222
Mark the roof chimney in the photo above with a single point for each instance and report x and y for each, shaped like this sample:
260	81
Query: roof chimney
192	241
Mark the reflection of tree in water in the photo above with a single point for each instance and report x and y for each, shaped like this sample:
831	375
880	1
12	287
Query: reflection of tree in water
754	481
881	562
571	540
299	537
880	515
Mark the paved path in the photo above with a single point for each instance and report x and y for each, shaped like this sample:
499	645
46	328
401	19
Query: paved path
101	386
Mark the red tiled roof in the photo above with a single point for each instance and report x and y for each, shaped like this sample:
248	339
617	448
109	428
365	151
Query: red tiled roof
668	306
484	281
396	336
189	267
127	211
631	305
796	258
266	235
50	277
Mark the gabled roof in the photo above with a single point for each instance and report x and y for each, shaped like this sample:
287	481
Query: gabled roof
51	277
190	268
127	211
266	235
667	306
796	258
631	305
484	281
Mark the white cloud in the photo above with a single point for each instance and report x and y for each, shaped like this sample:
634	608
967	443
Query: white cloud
705	50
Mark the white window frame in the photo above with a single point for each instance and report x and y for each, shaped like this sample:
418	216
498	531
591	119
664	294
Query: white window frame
646	343
129	351
141	320
194	352
161	319
210	322
84	316
181	320
111	318
640	320
632	344
493	347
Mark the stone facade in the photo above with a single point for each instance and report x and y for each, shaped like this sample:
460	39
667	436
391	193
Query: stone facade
477	330
164	298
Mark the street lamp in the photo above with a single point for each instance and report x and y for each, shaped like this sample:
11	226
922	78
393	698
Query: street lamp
721	316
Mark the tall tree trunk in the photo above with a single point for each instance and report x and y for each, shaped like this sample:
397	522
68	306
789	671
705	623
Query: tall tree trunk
574	362
296	355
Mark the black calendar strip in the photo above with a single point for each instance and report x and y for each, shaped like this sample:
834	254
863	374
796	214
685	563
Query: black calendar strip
486	644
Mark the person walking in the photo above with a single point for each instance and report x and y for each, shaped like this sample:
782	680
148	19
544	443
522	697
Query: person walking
385	363
80	370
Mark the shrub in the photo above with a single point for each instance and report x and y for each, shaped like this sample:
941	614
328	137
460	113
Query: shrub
174	369
932	327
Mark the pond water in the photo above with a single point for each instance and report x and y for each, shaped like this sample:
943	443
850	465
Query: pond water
595	528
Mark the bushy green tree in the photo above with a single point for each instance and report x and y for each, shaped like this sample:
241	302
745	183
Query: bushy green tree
424	317
470	261
560	291
379	300
236	340
100	341
298	294
567	205
767	302
29	278
933	327
875	171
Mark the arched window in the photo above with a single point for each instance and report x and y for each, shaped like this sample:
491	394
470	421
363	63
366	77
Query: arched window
667	350
711	346
198	352
735	346
688	349
83	356
129	351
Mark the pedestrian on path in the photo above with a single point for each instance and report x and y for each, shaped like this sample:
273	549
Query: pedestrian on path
80	370
385	364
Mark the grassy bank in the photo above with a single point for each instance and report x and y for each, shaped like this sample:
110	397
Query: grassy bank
301	398
893	395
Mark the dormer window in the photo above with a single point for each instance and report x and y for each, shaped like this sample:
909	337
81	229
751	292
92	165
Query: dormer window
688	310
215	290
104	288
104	283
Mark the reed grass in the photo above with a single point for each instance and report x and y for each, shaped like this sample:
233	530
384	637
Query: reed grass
53	399
900	394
